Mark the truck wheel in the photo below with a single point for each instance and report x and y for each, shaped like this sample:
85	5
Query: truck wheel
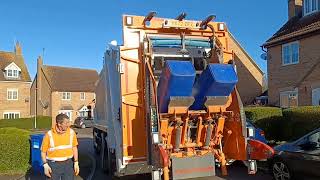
104	154
281	171
96	141
106	158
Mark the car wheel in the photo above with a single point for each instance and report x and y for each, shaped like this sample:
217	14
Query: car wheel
281	171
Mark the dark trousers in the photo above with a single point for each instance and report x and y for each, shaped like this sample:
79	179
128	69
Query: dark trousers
61	170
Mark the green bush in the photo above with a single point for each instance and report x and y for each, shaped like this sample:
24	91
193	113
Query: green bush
43	122
15	150
288	124
274	127
301	120
257	113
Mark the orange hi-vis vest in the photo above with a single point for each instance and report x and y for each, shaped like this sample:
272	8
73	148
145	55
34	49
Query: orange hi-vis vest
58	147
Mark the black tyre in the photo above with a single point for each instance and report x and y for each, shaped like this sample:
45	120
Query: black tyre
104	155
97	141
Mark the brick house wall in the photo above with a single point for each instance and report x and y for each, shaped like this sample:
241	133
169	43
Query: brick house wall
75	102
287	77
44	96
50	90
21	105
250	76
21	82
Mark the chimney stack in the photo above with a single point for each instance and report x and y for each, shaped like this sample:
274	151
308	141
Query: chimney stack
294	8
38	85
17	49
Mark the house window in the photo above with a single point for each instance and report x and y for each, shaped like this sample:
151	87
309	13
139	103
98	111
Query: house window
311	6
290	53
11	115
12	73
82	96
66	96
12	94
288	99
66	112
316	97
83	112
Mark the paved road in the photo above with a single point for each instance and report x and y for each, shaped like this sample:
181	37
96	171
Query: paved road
236	171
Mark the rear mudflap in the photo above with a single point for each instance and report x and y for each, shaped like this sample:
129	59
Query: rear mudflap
193	167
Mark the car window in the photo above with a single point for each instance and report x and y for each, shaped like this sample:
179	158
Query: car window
314	138
250	123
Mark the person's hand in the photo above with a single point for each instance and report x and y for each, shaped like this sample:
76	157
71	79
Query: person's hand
47	169
76	168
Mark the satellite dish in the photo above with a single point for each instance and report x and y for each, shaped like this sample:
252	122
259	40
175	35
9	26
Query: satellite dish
264	56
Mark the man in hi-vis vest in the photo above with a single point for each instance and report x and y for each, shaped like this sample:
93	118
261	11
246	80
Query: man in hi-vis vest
59	151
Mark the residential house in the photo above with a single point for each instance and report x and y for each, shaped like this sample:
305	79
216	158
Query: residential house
15	85
251	77
56	90
293	54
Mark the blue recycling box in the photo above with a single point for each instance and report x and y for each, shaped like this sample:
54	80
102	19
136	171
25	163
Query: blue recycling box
36	162
215	80
176	80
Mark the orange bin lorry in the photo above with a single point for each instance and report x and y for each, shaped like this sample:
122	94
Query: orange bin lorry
167	103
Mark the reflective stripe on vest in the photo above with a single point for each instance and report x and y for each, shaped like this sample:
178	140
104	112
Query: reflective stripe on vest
59	158
53	147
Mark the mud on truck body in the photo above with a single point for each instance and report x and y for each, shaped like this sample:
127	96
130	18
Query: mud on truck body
166	100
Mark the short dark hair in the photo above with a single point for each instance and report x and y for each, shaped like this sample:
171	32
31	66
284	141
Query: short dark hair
60	118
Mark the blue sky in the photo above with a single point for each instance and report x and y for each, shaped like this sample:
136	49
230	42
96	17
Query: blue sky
75	33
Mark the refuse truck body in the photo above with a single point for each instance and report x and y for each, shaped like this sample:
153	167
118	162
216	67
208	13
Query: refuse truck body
167	103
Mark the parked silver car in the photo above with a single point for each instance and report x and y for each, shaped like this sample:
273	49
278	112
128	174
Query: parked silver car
83	122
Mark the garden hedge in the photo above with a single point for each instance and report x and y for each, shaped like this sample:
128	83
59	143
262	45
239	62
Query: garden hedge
258	113
302	119
287	124
15	150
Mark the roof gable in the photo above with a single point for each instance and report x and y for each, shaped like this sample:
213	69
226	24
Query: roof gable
83	108
6	59
295	27
12	66
65	79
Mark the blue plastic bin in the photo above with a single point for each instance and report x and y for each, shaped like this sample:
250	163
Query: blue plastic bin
215	80
176	80
36	161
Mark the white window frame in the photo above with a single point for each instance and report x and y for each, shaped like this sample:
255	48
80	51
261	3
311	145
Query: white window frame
83	110
13	69
289	93
65	96
82	96
12	90
12	112
315	92
66	112
290	53
308	4
14	73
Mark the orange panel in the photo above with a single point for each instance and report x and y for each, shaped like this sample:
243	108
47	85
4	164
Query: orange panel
235	143
133	108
